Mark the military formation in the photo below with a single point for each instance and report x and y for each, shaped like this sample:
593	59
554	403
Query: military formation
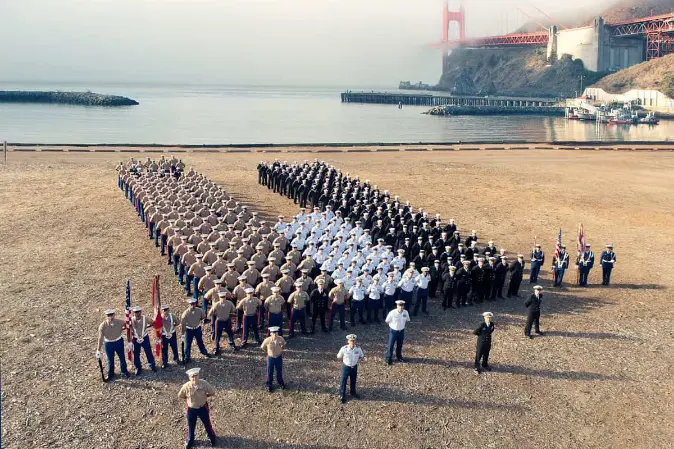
352	251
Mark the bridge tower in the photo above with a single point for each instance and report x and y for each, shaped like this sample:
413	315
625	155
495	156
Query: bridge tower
452	16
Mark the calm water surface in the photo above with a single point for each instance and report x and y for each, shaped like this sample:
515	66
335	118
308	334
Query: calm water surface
231	115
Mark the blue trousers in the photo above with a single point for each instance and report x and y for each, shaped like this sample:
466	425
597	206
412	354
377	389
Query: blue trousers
395	338
274	363
389	304
148	353
172	341
297	315
181	272
195	282
337	309
348	372
606	273
190	336
356	306
533	272
276	319
111	348
559	276
164	239
407	297
584	272
220	327
422	300
204	415
373	310
151	233
176	264
250	321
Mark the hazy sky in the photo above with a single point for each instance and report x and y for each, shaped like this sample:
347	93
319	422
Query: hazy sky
345	43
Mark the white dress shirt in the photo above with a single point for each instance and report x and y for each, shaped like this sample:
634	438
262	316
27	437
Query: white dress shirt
357	293
407	284
397	320
373	291
422	281
351	357
389	288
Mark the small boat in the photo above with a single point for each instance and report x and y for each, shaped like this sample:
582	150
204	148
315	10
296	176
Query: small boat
623	119
650	119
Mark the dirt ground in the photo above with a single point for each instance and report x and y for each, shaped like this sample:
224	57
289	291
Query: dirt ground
599	378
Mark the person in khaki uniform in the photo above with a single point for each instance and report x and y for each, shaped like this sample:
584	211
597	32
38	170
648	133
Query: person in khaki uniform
266	245
110	338
211	255
190	323
247	249
326	278
196	271
230	253
206	283
277	254
337	298
290	266
272	269
252	275
231	277
295	255
221	314
178	255
239	293
273	346
168	336
263	291
173	242
141	340
240	263
259	258
307	264
196	393
219	266
298	300
286	285
274	307
249	306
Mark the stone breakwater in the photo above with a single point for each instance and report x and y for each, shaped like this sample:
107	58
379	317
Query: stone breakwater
77	98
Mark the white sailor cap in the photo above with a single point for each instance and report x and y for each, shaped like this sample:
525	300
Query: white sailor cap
274	329
538	287
137	309
191	300
520	256
400	302
587	245
249	290
351	337
609	245
109	312
452	267
489	314
276	289
193	372
164	307
425	269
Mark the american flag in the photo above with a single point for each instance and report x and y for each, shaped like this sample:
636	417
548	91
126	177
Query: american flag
558	246
158	322
127	320
581	238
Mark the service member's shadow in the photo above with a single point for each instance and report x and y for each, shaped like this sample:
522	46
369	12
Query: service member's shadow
237	442
589	335
566	375
636	286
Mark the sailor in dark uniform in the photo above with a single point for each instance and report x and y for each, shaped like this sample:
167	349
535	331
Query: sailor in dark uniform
533	305
483	332
607	262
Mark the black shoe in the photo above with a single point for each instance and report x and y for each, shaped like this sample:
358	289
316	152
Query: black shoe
137	372
269	389
126	375
476	371
343	400
164	366
389	362
153	368
400	359
216	352
531	337
355	395
214	441
540	333
283	386
488	368
208	356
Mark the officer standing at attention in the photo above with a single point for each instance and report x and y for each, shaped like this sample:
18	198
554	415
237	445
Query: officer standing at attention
274	307
483	333
533	305
190	322
537	261
298	301
396	319
319	305
559	265
196	392
274	345
221	312
585	264
110	338
168	336
516	271
337	298
248	306
607	262
350	354
139	325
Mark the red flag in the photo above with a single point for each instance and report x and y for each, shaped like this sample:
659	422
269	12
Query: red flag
581	238
158	322
558	245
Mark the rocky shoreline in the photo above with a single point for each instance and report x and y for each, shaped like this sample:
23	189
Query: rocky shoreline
75	98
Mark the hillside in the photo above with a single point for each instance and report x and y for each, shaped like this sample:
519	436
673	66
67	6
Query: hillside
656	74
512	71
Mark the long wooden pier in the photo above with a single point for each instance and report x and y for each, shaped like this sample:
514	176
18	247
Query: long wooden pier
441	100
